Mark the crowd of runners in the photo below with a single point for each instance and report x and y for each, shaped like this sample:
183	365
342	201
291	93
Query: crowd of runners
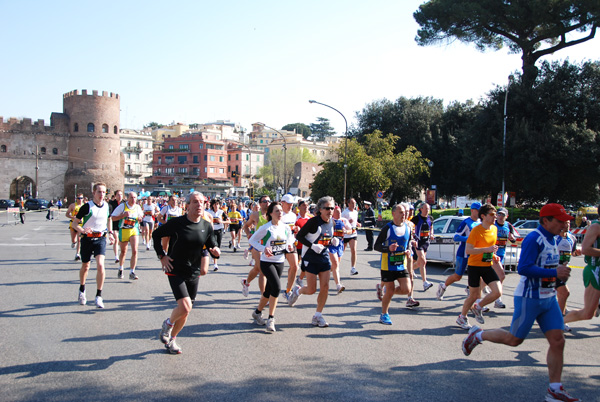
187	234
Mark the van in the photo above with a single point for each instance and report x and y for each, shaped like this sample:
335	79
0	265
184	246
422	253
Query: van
590	212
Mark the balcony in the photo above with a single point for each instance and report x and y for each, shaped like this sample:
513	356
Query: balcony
136	150
133	174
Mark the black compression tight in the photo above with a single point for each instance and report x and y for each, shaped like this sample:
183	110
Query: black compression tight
272	271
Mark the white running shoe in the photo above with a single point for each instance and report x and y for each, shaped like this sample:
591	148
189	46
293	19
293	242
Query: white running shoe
463	322
258	318
353	271
478	313
147	247
427	286
293	298
299	282
440	291
566	328
340	288
487	290
245	288
173	348
319	321
99	302
73	245
499	303
246	253
215	268
270	325
82	299
165	332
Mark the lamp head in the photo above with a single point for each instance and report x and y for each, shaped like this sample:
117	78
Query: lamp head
311	101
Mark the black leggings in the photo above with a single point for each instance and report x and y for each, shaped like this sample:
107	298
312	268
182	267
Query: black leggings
272	271
218	236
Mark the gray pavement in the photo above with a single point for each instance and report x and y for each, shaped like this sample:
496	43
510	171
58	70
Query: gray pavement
54	349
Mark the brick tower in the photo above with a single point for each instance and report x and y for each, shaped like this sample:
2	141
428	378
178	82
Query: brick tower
94	146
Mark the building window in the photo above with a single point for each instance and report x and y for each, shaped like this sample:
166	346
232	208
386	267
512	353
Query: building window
94	149
159	160
195	158
212	169
54	151
43	150
228	157
128	156
115	130
258	158
200	146
205	169
212	158
2	148
75	127
205	157
221	170
182	160
105	128
171	147
237	157
228	169
221	159
90	128
247	157
184	147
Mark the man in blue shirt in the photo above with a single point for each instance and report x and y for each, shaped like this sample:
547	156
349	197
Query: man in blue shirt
535	298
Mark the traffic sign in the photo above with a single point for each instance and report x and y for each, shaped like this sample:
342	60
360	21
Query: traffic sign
380	194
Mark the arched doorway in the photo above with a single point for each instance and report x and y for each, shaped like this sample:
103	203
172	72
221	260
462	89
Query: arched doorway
22	186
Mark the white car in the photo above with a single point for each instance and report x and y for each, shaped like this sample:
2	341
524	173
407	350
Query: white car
443	247
526	227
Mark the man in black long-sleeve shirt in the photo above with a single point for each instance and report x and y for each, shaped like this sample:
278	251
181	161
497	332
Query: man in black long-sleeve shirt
189	235
369	224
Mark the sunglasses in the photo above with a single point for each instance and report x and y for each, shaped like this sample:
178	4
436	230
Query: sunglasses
80	198
265	201
328	208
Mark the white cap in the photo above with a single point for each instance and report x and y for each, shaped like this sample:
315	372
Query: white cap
367	203
288	198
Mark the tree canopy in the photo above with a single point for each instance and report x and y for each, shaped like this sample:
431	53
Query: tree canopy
300	128
534	28
321	129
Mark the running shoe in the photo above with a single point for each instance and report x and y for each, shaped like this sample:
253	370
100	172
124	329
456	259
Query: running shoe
427	286
485	310
234	249
173	348
143	241
440	292
147	247
73	245
319	321
566	328
270	325
120	274
133	276
353	271
258	319
471	340
412	303
116	260
385	319
165	332
82	299
463	322
299	282
560	395
478	313
215	268
246	253
487	290
77	257
340	288
229	243
467	290
294	296
499	303
99	302
598	311
379	291
245	288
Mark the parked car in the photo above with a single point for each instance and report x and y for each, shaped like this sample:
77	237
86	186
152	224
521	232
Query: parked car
443	247
4	204
36	204
527	226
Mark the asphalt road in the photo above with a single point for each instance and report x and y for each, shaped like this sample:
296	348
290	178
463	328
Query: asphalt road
54	349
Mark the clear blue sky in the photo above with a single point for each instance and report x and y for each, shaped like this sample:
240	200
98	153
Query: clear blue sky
244	61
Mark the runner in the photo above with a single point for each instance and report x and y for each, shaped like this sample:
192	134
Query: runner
481	248
315	236
114	225
535	298
150	211
505	234
129	215
393	242
351	214
94	217
567	246
272	240
235	224
169	211
256	219
424	232
71	213
188	235
218	216
461	236
591	276
341	227
289	218
411	302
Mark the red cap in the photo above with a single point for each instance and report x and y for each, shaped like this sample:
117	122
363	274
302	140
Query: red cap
557	211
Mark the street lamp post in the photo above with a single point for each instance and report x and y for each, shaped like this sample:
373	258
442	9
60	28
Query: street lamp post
510	80
284	155
345	144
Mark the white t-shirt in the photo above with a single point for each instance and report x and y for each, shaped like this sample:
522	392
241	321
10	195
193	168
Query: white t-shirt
352	217
214	215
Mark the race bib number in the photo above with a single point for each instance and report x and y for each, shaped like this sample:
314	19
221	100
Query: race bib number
234	221
339	233
565	257
549	283
95	234
397	258
129	223
487	257
216	221
325	241
278	246
148	213
501	242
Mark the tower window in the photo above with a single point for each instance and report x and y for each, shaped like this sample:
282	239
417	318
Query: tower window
90	128
75	127
43	150
105	128
2	148
54	151
115	130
